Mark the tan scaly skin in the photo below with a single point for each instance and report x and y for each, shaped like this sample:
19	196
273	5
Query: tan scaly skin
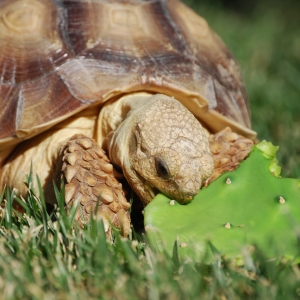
157	143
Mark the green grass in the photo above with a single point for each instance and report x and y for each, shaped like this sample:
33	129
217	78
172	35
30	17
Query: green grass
46	256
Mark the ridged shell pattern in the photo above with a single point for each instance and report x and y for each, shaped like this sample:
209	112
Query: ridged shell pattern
59	57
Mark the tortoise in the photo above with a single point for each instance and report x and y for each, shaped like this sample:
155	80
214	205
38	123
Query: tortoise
131	78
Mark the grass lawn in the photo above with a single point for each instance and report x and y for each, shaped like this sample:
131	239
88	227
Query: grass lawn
46	256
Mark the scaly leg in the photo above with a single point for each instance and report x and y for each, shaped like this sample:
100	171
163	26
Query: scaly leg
88	176
228	149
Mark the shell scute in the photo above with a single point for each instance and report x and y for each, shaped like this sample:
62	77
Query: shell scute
8	109
42	100
31	44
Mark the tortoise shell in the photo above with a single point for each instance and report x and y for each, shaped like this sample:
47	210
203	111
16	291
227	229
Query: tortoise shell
59	57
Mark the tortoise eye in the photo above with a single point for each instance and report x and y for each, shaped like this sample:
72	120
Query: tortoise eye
161	168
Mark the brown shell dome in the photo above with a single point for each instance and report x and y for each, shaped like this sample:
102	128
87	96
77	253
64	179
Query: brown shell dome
59	57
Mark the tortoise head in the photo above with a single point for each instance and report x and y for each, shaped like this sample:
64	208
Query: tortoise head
161	147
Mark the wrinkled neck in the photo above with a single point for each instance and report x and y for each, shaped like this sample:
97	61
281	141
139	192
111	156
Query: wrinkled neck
114	113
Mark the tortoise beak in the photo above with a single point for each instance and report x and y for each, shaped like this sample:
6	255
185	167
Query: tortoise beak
185	199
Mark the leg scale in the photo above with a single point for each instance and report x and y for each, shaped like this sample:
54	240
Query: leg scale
228	149
88	175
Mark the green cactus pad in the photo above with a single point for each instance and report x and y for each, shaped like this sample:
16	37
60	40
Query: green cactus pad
246	207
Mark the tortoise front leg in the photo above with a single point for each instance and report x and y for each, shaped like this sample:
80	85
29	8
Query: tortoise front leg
88	176
228	150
